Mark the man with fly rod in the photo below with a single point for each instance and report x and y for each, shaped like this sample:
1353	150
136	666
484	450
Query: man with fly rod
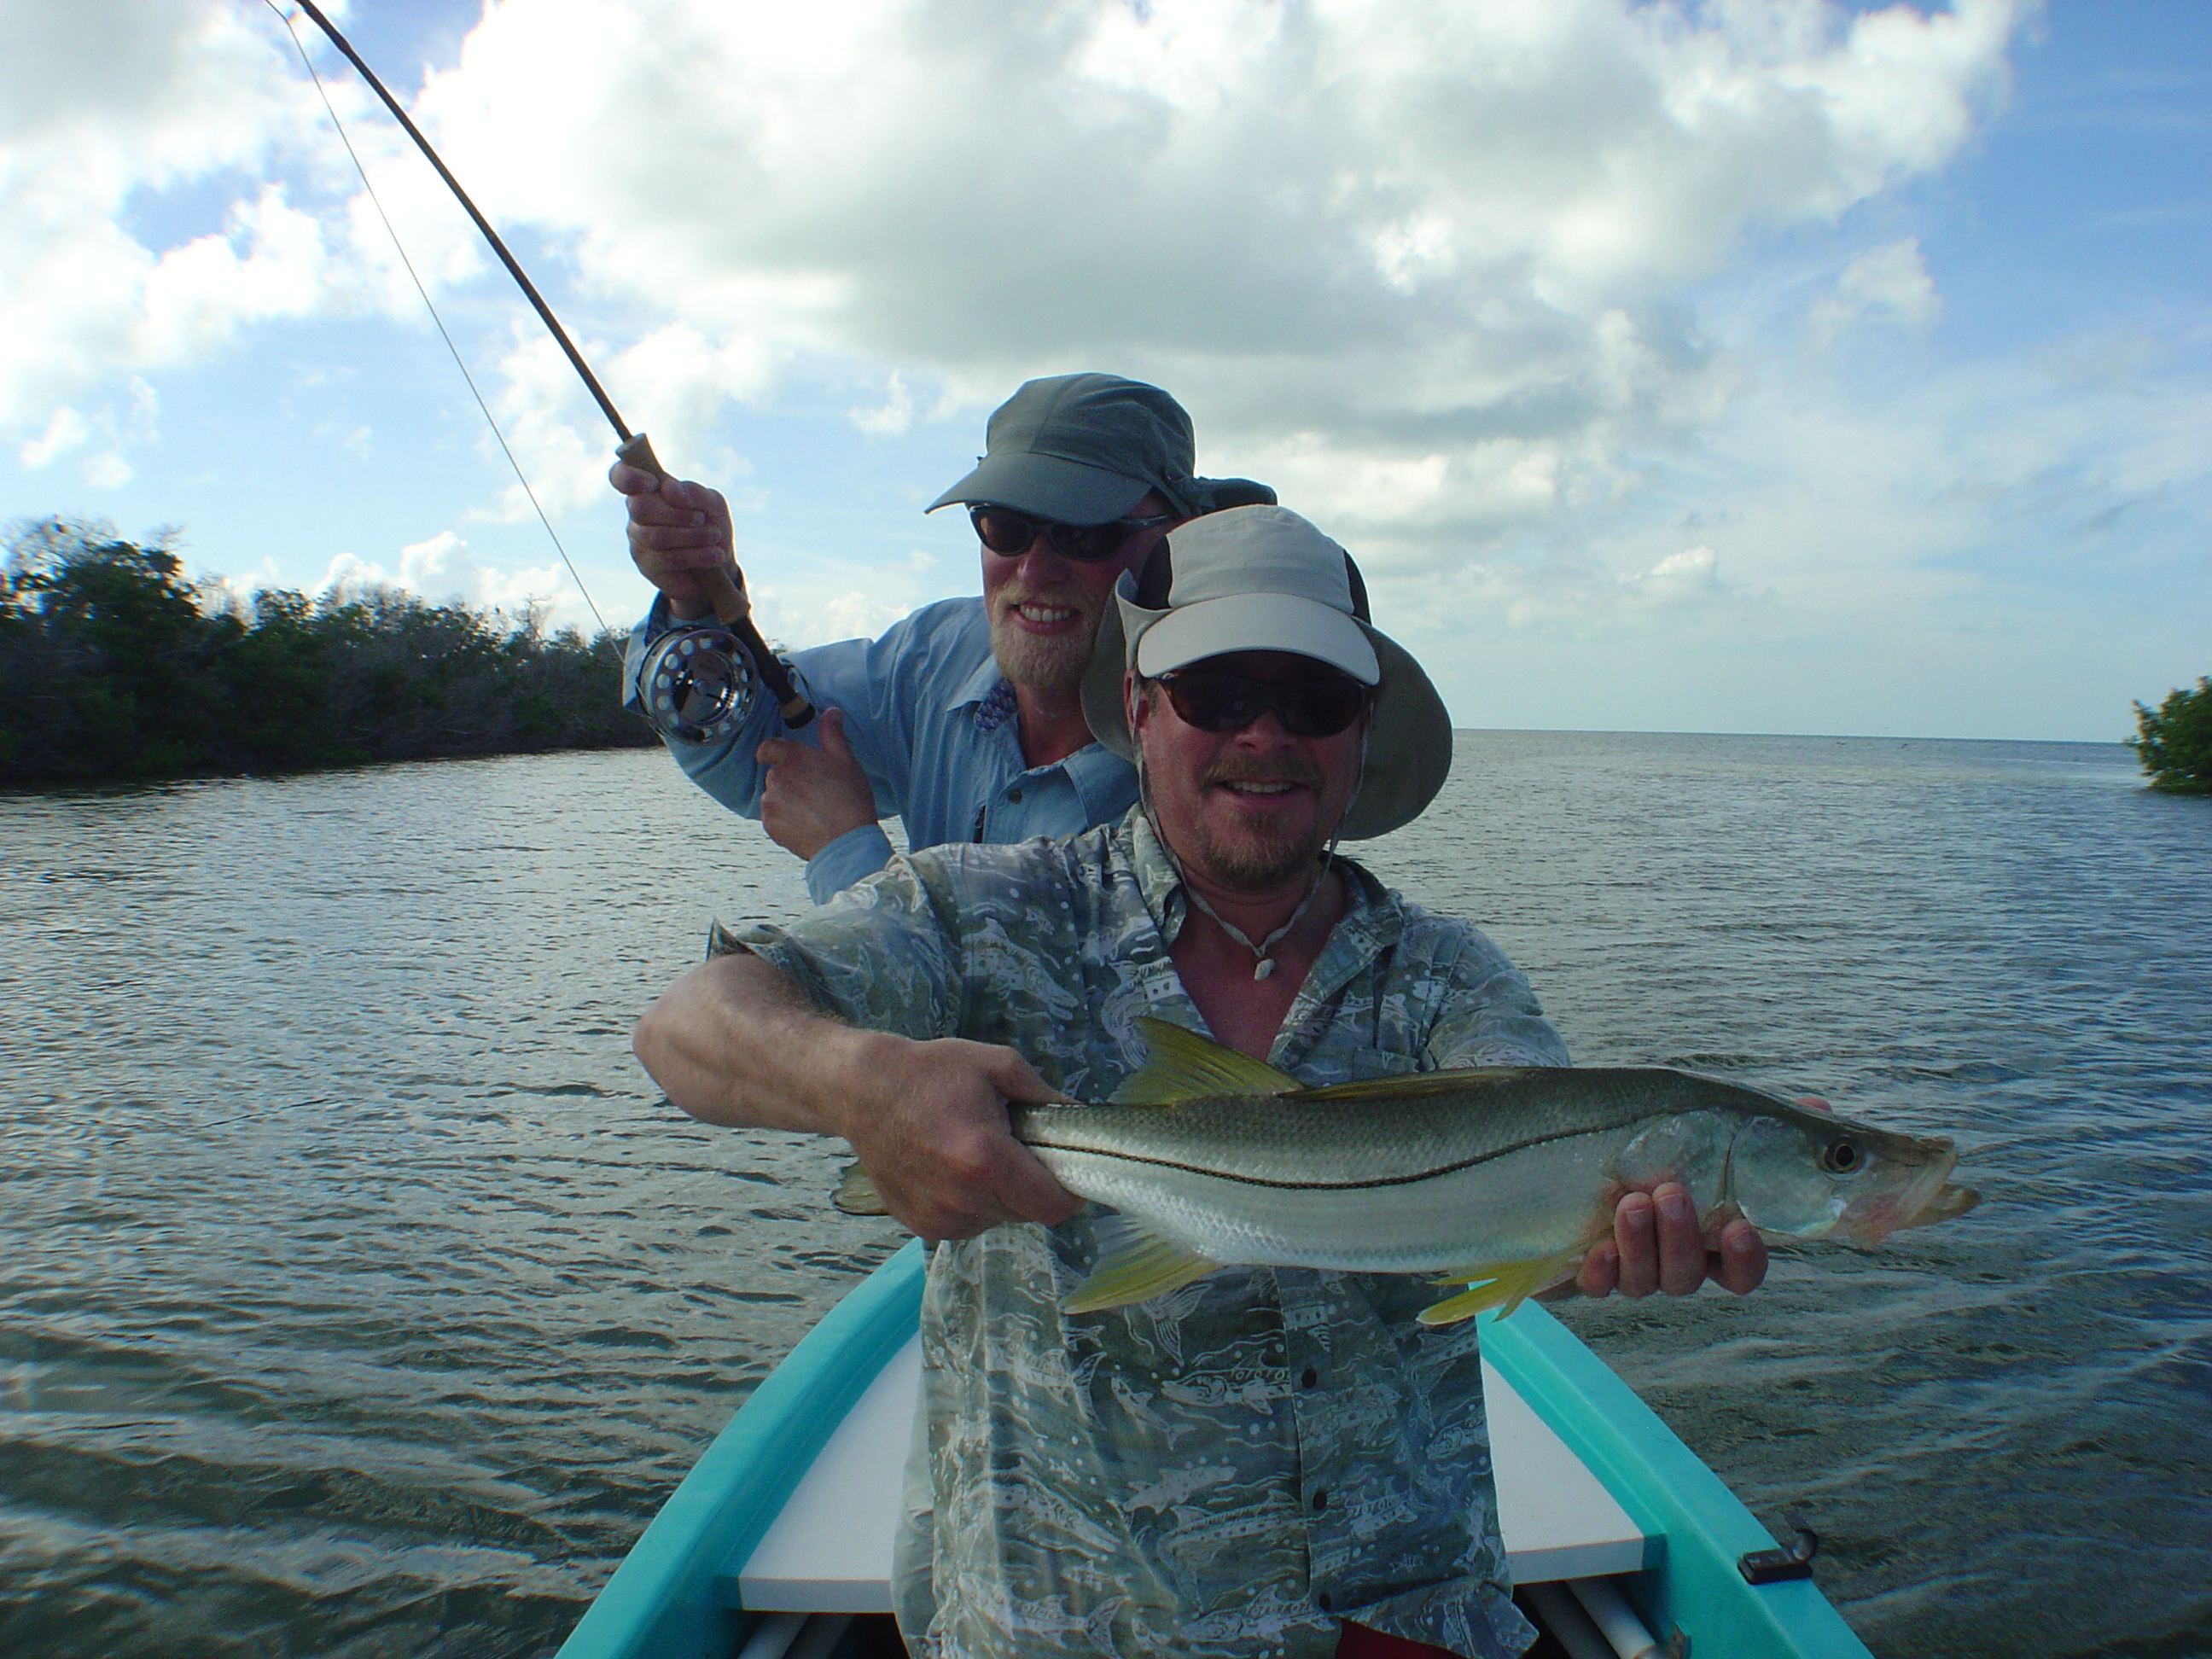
965	719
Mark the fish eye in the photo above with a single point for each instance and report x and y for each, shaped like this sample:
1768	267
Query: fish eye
1839	1157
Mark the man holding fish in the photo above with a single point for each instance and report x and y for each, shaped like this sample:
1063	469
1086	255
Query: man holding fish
1127	1446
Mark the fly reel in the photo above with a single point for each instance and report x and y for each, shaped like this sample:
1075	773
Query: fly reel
698	681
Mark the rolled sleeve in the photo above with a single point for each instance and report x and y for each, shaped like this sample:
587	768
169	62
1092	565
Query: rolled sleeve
878	954
856	676
854	856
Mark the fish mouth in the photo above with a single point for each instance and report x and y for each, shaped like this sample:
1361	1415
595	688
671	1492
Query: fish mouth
1947	1203
1927	1198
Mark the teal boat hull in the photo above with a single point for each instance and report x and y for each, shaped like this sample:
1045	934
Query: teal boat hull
670	1598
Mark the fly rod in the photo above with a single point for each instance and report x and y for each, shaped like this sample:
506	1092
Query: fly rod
695	684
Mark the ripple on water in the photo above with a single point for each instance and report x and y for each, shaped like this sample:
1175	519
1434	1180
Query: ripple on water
359	1298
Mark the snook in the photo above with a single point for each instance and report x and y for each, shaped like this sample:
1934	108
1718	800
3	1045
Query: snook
1499	1178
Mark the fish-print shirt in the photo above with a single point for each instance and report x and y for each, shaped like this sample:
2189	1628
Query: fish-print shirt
1230	1469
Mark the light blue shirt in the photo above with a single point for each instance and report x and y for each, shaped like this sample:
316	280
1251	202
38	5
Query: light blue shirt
932	722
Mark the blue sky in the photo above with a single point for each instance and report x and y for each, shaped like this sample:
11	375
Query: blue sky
1745	366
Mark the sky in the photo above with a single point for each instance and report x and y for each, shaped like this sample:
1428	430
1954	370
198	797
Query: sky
1751	366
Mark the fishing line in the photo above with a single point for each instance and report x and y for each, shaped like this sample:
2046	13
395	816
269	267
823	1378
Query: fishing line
400	248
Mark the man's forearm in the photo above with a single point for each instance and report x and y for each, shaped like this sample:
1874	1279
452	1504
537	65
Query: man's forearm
733	1042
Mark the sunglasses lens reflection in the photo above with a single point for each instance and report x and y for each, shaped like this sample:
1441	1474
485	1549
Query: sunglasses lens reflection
1008	533
1003	532
1230	703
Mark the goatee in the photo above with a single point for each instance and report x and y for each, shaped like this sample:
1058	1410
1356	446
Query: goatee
1256	862
1043	662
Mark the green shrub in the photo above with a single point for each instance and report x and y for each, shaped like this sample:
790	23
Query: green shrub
2174	741
113	665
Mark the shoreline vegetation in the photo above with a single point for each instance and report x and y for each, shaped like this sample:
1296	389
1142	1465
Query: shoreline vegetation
116	668
2174	741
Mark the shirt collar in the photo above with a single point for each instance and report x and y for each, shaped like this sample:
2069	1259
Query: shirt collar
980	686
1103	781
1373	920
1159	883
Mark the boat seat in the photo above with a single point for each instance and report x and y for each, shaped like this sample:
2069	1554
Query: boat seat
829	1549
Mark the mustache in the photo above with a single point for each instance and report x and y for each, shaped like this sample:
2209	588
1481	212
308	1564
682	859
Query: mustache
1074	598
1287	768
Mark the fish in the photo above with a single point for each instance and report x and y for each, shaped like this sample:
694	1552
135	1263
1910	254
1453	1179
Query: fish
1492	1180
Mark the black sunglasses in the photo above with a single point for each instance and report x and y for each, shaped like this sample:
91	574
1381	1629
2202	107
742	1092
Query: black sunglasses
1214	701
1008	533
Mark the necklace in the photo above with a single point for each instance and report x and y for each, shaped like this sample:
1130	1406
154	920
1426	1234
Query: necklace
1263	953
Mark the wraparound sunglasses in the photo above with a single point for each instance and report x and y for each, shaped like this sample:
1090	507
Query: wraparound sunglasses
1009	533
1214	700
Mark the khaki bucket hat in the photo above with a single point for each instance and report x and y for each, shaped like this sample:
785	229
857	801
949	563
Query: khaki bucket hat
1263	579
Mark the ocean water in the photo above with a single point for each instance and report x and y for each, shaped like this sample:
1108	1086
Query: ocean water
359	1296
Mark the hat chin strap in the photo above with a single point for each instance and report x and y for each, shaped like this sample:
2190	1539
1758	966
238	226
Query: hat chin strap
1358	781
1263	953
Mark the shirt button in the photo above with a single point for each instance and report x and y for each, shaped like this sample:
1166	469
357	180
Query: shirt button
1320	1499
1308	1378
1013	794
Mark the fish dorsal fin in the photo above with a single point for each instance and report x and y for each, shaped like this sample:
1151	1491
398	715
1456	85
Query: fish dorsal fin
1413	1085
1184	1066
1134	1266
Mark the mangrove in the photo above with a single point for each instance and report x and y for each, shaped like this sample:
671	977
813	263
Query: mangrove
114	666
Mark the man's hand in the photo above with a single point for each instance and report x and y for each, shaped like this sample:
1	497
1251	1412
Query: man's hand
676	528
1657	1245
811	796
734	1042
936	1141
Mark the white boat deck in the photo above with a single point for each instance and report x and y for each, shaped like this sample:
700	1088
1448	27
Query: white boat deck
829	1550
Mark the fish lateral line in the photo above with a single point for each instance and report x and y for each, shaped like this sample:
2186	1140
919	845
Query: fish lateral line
1406	1180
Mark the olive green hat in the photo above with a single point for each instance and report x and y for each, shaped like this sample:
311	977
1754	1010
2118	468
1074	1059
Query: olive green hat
1085	448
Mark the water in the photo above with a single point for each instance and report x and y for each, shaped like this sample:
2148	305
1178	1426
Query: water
359	1296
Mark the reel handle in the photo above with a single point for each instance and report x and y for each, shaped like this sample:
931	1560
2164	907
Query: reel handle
731	606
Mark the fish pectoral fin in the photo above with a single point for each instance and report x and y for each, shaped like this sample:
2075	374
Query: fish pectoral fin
856	1193
1504	1285
1184	1066
1136	1270
1412	1085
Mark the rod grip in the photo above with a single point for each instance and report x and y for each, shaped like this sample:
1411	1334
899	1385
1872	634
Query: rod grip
731	607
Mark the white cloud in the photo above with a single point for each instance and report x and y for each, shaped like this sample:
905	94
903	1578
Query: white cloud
1425	257
438	568
891	416
107	105
1405	231
1565	598
858	616
66	429
98	101
107	432
1440	272
108	471
1892	280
